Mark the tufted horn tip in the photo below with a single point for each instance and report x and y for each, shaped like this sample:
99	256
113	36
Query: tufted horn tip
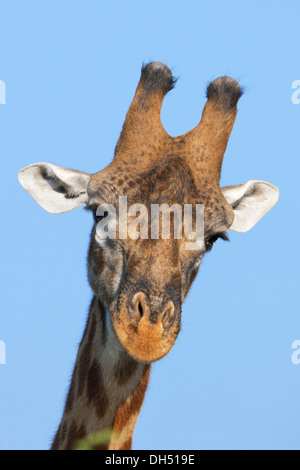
156	77
224	91
143	130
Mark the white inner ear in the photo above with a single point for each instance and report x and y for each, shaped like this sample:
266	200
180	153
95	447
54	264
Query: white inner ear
54	188
250	202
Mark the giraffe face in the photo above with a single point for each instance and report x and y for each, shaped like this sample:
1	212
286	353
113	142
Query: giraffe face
144	281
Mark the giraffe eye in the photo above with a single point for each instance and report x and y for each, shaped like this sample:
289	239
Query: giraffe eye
98	218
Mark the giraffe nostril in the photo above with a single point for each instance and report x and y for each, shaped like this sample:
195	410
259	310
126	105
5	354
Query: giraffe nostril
143	310
168	315
139	305
140	309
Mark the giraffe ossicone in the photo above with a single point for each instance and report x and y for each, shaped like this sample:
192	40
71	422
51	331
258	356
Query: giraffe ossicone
139	283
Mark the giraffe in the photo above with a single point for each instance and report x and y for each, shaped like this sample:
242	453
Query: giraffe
139	285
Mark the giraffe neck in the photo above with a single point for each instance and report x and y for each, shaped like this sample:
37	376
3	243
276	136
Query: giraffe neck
107	387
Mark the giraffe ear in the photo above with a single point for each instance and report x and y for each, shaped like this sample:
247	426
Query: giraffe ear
54	188
250	202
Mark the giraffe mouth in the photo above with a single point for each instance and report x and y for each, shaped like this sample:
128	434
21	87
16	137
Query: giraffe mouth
144	340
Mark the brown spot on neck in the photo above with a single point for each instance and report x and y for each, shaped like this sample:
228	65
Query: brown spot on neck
127	415
96	392
125	368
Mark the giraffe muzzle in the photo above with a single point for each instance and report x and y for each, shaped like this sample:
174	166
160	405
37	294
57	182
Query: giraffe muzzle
147	334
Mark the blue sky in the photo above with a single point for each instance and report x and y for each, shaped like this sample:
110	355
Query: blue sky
71	68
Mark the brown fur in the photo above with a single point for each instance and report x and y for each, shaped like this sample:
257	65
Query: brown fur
140	285
127	415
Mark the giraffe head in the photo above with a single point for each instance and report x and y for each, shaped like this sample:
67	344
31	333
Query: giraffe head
143	279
